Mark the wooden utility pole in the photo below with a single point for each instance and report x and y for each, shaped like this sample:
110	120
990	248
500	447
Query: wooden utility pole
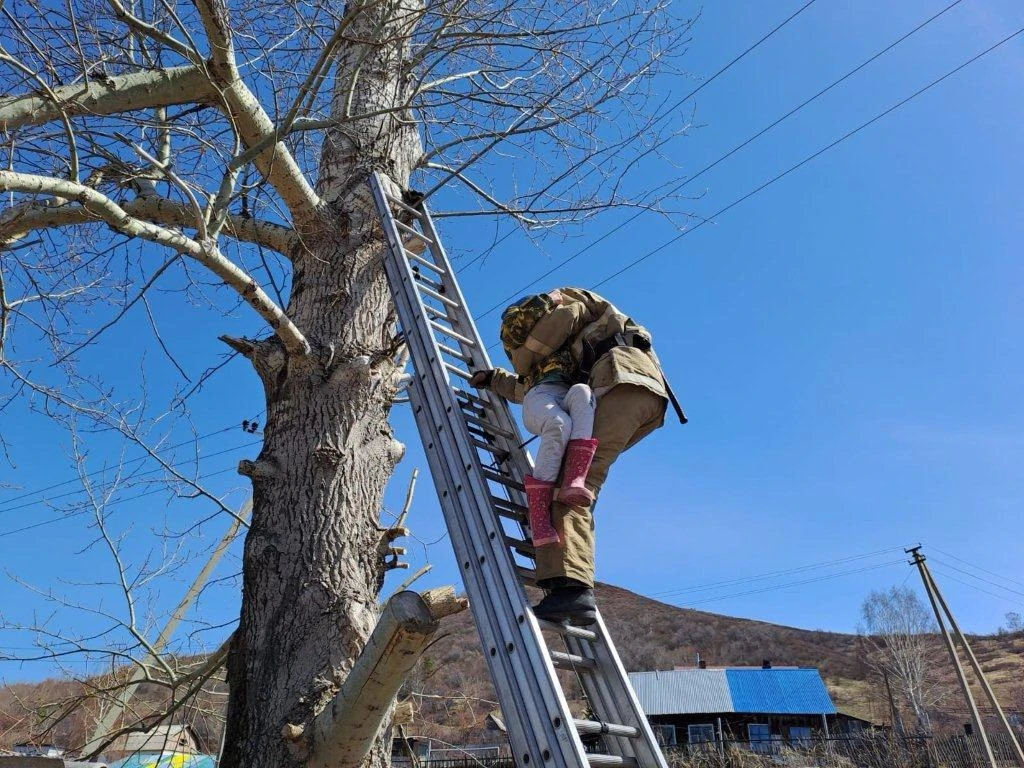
937	601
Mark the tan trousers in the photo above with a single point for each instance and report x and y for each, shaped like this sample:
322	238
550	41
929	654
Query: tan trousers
625	414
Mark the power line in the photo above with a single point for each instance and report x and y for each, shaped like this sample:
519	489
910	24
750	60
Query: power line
721	159
130	462
944	564
1004	598
774	574
809	158
668	112
978	567
62	518
158	470
797	583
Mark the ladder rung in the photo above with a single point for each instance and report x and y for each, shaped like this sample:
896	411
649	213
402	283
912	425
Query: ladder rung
422	280
460	372
510	511
564	660
415	233
595	727
499	453
611	761
449	332
429	264
501	479
487	426
438	297
527	576
520	546
568	630
407	208
473	398
454	353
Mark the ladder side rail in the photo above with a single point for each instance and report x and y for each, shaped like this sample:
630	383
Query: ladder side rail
517	462
481	361
626	707
616	702
486	621
484	540
510	611
443	458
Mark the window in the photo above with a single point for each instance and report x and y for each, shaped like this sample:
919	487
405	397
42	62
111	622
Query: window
701	733
800	736
666	735
760	738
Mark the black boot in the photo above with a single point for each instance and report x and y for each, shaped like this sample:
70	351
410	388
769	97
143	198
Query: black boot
575	605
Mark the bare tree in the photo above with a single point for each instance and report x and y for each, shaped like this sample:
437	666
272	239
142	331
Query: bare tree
899	628
221	150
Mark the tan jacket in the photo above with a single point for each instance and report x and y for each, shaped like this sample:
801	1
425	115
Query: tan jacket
583	319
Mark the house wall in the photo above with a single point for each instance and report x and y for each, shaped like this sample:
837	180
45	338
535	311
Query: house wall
734	726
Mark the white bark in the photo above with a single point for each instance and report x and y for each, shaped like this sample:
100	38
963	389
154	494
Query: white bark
123	93
21	220
345	731
206	253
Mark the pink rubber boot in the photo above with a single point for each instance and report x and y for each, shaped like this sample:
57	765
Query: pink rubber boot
579	454
538	496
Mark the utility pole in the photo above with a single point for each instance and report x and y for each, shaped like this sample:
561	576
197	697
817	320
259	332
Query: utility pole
937	600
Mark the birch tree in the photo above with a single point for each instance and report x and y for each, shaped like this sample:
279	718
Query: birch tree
899	629
227	145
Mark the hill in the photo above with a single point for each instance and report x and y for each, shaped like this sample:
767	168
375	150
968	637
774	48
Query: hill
452	694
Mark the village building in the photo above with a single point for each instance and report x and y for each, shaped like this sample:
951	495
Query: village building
761	708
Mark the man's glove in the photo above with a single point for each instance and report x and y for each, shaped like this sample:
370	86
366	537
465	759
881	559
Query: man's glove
481	379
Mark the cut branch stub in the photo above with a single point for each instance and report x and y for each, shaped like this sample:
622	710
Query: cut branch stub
345	731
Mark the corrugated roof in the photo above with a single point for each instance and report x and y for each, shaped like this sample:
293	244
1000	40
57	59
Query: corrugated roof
790	691
684	690
779	691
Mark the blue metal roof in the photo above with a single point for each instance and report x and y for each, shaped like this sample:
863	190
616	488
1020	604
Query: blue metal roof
791	691
779	691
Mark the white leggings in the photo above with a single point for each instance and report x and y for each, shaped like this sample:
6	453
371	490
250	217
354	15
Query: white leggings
558	413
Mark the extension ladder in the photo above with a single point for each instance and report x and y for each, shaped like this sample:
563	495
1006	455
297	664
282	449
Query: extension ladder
475	453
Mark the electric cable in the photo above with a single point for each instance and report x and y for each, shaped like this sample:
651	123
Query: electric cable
69	515
157	470
675	106
720	160
795	583
774	574
778	177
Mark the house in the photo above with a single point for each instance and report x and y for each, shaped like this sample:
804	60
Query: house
759	707
38	750
180	739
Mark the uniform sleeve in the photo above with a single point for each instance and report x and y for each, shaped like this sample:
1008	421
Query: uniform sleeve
507	385
549	334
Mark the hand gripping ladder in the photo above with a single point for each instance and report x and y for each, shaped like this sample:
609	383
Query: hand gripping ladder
475	453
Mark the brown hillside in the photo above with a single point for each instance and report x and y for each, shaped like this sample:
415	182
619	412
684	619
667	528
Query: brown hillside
652	635
452	693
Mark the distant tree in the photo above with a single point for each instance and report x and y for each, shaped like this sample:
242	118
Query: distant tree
897	625
1014	622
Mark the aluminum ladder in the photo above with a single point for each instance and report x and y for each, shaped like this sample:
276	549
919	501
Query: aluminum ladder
474	449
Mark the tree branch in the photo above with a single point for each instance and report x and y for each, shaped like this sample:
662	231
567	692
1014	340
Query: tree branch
123	93
20	220
206	253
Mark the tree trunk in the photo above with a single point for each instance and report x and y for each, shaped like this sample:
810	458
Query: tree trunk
313	563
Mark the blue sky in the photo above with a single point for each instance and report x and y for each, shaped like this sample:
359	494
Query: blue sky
846	342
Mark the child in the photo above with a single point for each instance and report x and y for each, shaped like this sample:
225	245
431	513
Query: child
561	412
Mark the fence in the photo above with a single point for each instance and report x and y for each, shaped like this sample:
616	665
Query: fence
867	750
